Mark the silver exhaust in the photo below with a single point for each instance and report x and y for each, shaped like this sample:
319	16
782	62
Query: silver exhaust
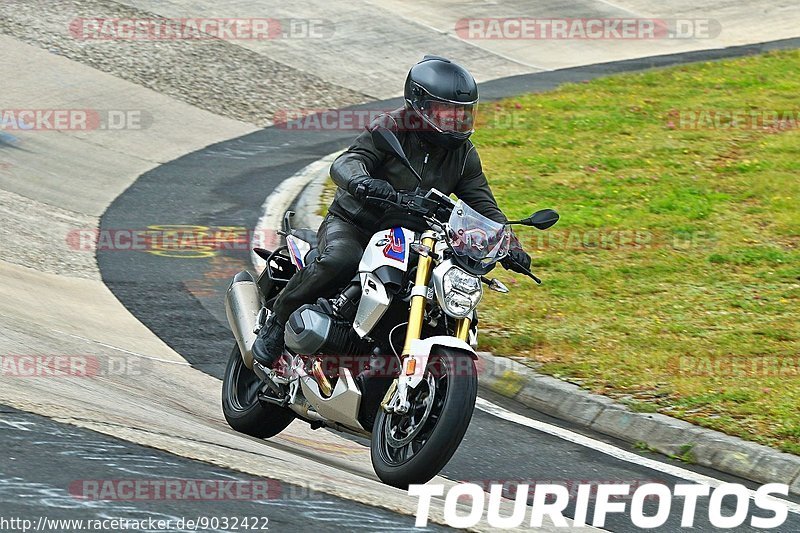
305	410
242	306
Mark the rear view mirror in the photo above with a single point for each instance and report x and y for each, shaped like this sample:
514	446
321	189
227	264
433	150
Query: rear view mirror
387	142
542	219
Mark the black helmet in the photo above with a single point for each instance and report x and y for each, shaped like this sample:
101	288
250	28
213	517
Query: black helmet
443	95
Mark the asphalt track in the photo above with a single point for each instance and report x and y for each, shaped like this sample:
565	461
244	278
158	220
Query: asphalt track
180	298
41	457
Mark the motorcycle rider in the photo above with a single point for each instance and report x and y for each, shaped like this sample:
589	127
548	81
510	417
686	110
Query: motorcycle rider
433	128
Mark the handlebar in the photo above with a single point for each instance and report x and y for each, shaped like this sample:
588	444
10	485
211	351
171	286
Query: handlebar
420	202
431	205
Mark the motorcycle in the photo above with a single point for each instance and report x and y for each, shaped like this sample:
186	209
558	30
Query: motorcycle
343	366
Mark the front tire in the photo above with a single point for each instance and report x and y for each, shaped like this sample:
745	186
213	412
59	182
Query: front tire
240	404
433	433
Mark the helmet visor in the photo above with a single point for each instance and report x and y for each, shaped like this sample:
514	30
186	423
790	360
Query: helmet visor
448	117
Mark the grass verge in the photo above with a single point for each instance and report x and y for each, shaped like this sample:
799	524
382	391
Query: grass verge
672	280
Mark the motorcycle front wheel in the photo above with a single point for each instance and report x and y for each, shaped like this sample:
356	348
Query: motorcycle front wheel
412	448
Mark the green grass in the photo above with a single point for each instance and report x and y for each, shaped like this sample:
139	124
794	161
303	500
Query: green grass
677	249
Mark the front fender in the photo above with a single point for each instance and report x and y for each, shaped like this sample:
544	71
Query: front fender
421	350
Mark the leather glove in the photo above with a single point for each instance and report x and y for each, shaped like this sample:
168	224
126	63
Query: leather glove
366	186
519	256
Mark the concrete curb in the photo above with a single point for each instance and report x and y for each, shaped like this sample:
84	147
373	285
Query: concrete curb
569	402
662	433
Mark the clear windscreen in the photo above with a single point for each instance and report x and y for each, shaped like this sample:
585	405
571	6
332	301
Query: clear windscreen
476	237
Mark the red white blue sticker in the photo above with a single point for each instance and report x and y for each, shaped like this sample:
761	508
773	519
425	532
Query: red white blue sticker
396	248
296	257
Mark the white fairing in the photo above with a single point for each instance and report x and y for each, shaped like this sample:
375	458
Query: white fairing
421	350
388	247
385	248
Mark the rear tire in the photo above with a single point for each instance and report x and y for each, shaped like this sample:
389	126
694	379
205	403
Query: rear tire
240	404
441	430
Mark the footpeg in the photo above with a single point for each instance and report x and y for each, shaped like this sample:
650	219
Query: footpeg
265	375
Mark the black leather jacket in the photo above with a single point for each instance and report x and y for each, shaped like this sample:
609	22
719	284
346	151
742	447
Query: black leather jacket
456	172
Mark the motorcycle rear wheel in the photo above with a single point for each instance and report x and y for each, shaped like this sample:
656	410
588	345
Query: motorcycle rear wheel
413	448
243	411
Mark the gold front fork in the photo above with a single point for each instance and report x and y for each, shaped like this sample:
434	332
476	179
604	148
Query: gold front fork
418	301
462	328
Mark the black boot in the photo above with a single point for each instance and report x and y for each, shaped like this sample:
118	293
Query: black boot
269	343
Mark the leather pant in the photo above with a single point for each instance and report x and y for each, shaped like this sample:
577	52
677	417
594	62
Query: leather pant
340	246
